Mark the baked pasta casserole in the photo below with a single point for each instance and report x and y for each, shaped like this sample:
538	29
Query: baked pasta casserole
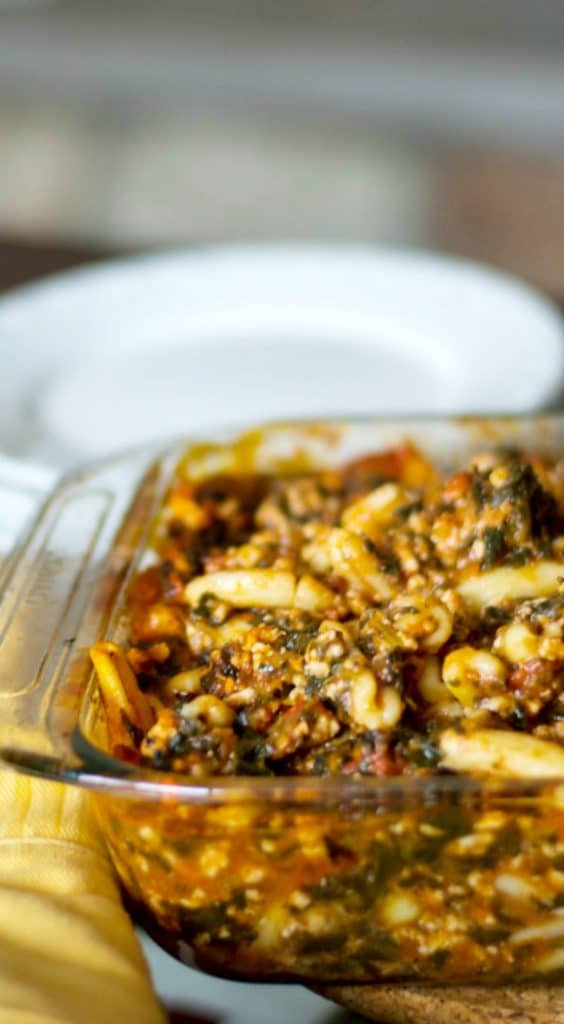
381	619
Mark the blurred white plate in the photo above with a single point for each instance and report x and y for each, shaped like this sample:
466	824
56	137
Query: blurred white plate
179	342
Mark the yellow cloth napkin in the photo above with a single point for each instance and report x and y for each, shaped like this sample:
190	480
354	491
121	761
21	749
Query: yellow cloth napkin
68	951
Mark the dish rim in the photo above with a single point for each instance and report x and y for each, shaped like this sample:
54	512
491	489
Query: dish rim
88	765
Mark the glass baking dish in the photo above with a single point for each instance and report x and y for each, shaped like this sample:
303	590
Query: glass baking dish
297	879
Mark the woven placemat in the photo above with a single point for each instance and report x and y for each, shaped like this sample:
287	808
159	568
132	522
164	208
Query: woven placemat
422	1004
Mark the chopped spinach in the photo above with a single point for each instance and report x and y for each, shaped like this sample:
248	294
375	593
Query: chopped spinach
494	546
488	935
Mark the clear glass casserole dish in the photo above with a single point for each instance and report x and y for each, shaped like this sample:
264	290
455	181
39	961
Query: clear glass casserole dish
315	879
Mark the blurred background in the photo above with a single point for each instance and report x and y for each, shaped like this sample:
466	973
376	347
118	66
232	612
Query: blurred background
437	123
133	124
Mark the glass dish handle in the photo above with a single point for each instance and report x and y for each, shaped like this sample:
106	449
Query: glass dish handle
23	486
58	591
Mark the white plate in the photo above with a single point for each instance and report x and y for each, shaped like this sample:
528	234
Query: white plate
178	342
